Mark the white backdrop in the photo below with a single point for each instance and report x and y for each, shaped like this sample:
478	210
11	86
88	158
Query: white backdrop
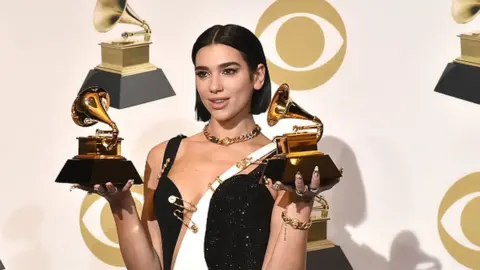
402	145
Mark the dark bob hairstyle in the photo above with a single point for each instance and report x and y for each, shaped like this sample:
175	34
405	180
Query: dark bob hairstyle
252	52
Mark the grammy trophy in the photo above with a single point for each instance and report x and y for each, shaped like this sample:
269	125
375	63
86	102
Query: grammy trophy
99	158
298	151
462	76
125	69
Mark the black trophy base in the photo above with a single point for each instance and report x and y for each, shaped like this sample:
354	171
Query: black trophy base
460	81
131	90
328	259
283	169
88	172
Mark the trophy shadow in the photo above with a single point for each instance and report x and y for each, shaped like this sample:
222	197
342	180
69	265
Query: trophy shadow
23	230
348	208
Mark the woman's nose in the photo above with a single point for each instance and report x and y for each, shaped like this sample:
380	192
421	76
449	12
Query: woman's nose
216	84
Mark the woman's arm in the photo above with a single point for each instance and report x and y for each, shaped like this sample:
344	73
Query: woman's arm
287	247
140	240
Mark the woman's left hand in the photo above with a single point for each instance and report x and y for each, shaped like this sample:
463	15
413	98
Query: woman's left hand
304	193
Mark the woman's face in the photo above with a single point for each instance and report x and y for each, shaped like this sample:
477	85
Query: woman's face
224	82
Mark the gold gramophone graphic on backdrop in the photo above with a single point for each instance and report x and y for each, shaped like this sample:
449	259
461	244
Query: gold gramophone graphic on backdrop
126	56
99	158
125	69
461	77
464	11
298	151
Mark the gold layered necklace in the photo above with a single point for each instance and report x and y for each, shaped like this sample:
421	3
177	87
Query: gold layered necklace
227	140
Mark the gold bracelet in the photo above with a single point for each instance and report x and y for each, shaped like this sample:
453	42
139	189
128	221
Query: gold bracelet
294	223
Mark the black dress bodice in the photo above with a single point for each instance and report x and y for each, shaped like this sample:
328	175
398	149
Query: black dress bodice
238	224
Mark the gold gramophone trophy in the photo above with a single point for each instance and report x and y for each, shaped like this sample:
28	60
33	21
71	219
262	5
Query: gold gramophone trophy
99	158
461	77
125	68
298	151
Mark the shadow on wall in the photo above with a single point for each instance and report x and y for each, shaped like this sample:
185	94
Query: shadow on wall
349	209
23	230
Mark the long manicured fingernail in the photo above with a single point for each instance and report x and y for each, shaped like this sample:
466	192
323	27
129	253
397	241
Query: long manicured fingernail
130	181
315	171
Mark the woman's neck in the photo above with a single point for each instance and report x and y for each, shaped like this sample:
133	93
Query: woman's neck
231	128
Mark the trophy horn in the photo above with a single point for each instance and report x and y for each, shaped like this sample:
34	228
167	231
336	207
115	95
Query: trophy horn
464	11
90	107
283	107
108	13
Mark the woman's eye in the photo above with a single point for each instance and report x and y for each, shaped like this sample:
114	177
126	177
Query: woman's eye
230	71
202	74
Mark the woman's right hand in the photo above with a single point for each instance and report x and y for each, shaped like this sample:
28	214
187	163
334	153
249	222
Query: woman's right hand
113	194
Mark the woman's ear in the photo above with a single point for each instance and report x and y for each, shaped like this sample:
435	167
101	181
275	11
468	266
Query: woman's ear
259	77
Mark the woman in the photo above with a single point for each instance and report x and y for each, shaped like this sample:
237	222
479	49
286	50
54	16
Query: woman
200	210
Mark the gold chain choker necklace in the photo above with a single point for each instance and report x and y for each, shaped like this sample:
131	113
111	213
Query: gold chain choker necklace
227	141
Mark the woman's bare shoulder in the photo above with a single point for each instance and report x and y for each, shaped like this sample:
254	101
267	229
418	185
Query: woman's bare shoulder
156	153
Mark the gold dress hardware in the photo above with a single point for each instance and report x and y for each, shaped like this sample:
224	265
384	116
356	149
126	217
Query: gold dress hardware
228	141
164	167
194	227
216	179
173	200
244	163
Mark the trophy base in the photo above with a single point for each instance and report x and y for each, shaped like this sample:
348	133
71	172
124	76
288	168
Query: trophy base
460	81
132	90
89	172
284	167
328	258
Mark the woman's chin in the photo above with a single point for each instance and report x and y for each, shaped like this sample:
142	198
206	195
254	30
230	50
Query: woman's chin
221	116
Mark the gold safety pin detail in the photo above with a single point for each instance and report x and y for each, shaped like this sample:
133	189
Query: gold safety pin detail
194	227
173	200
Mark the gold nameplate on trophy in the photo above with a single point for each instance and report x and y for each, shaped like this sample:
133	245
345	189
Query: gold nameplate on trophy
464	11
99	158
125	56
297	151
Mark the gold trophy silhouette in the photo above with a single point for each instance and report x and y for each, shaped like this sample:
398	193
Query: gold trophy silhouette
125	70
461	77
298	151
99	158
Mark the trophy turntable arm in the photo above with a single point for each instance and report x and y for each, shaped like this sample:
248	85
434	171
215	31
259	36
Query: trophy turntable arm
105	140
147	32
318	126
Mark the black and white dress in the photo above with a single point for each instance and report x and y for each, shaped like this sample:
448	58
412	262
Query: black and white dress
233	219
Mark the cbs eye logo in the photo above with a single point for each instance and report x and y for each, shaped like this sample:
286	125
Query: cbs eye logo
304	27
98	227
459	221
